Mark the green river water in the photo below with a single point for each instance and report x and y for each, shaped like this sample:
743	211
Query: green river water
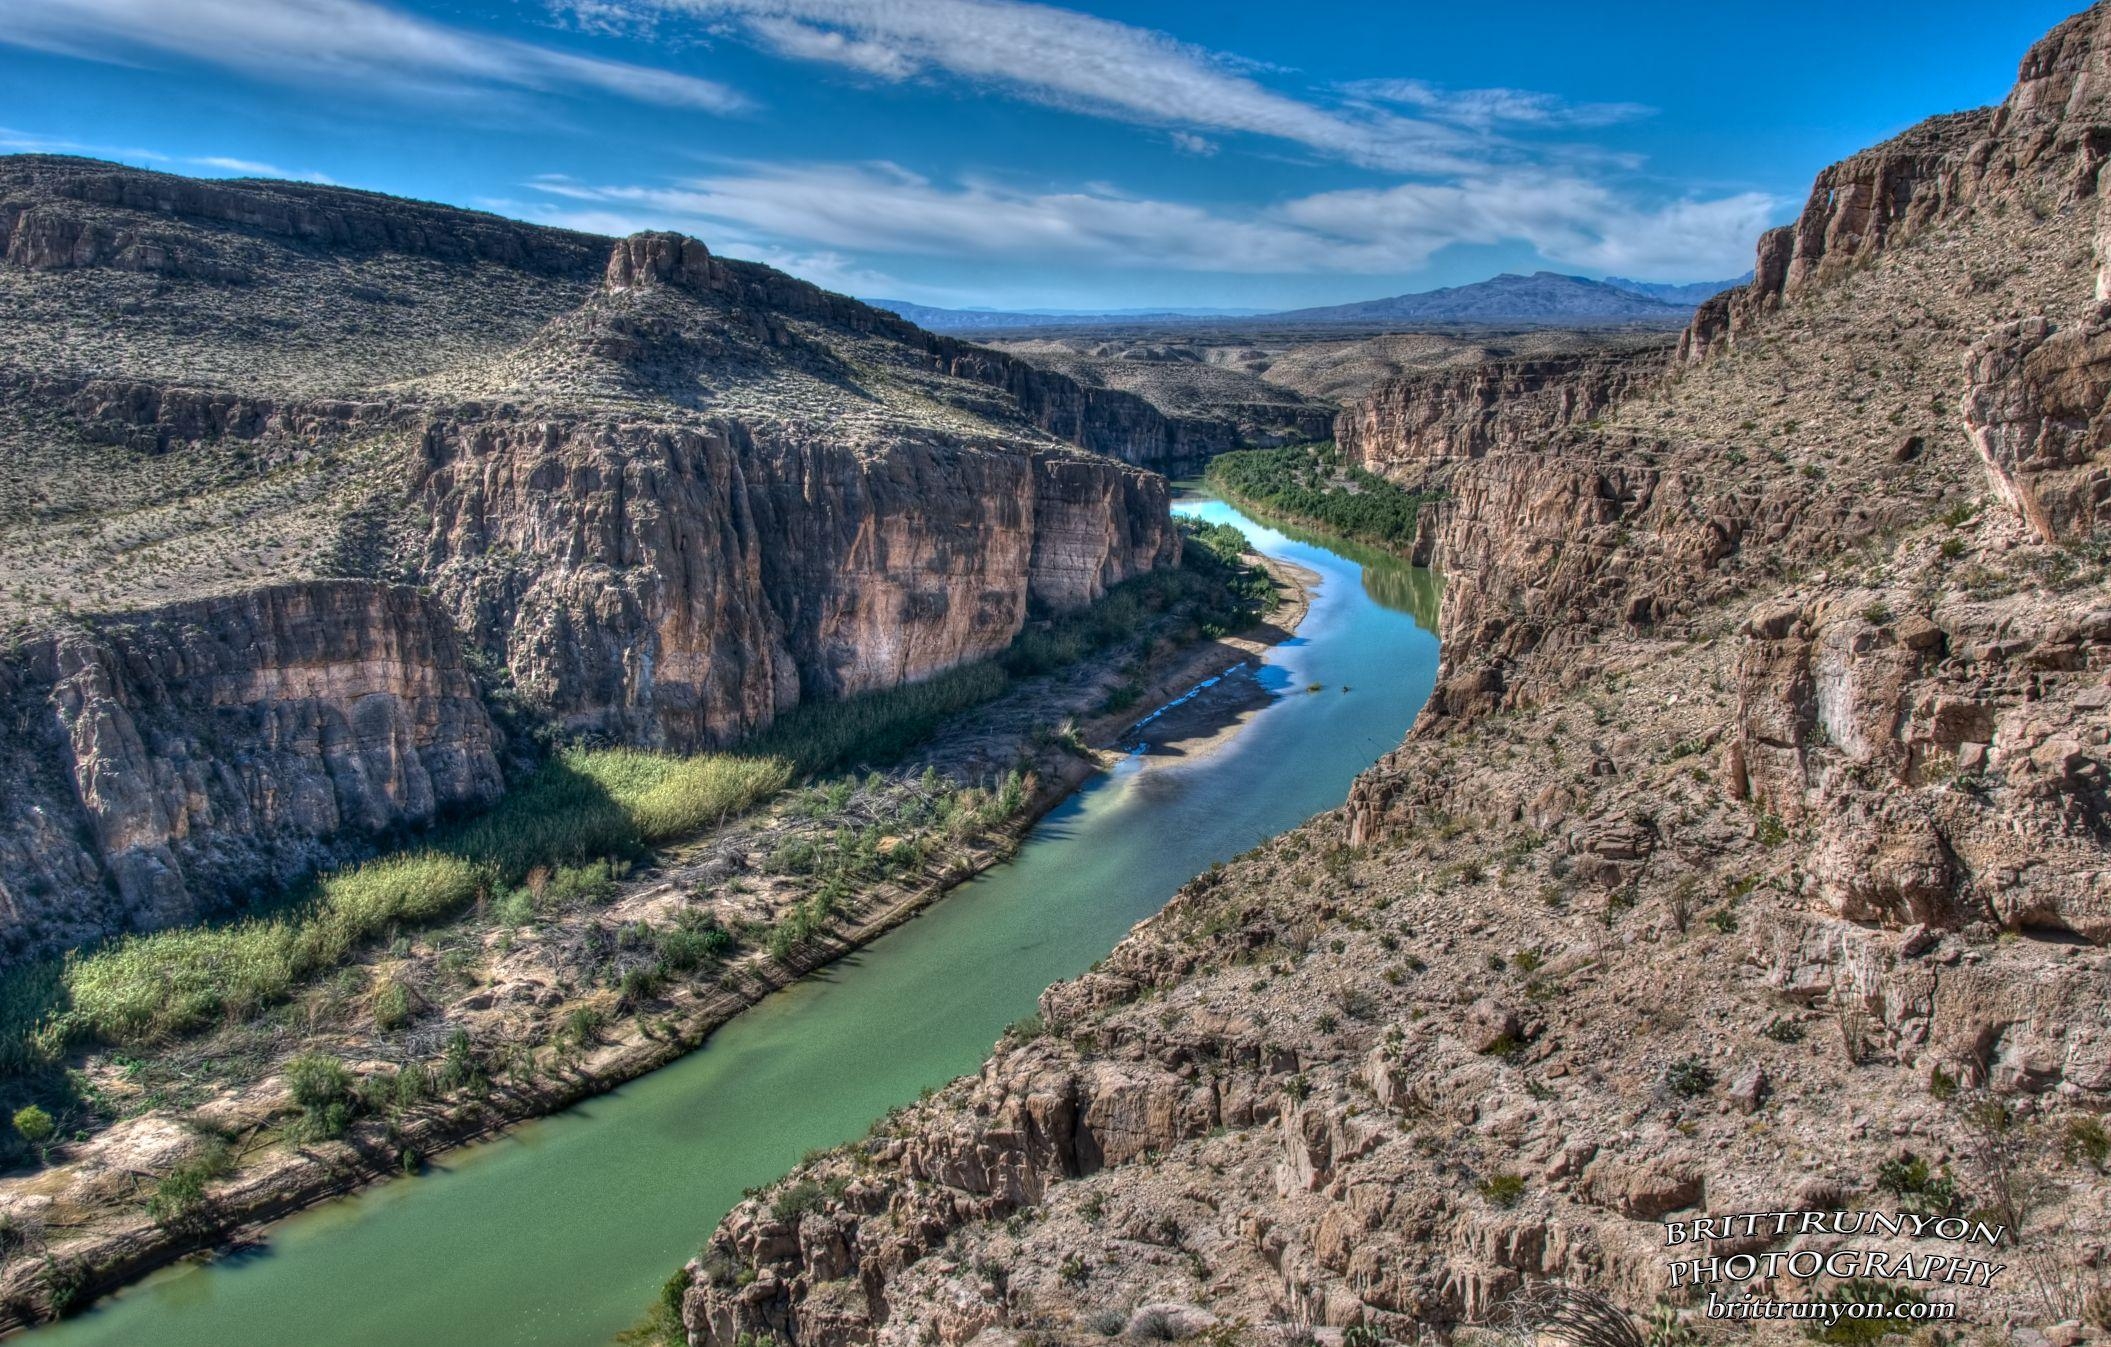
559	1233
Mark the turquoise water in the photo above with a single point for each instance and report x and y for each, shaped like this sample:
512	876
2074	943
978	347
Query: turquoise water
560	1233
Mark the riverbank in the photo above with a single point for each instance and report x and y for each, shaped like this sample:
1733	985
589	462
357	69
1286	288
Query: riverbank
91	1207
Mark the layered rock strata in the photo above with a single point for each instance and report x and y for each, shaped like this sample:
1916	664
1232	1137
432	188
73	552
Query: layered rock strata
1750	856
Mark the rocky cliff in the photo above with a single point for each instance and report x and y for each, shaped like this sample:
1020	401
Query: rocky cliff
284	462
159	764
1751	854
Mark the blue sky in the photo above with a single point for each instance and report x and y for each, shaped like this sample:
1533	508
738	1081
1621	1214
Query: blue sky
989	152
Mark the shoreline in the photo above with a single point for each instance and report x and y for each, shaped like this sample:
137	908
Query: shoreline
73	1276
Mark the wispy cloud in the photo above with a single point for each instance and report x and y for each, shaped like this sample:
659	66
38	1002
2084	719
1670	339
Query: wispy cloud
29	142
1074	61
1487	109
349	43
882	208
252	168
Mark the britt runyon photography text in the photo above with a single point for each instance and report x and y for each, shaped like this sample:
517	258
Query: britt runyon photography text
1839	1264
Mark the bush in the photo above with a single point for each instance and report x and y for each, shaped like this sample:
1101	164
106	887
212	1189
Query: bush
805	1195
1850	1331
1502	1190
34	1125
322	1090
691	942
1784	1030
393	1006
1919	1189
180	1195
1689	1077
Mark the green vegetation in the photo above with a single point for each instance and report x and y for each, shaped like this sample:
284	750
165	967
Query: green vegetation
1919	1189
1501	1190
1310	483
848	859
585	806
180	1195
1851	1331
562	837
1689	1078
322	1089
806	1195
34	1125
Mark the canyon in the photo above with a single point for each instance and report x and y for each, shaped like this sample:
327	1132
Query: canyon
322	505
1751	851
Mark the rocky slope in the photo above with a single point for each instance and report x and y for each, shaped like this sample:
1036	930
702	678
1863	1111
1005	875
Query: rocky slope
299	482
1752	854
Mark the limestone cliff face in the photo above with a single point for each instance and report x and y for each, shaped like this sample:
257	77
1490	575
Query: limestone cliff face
1757	834
1407	428
169	765
679	586
2035	407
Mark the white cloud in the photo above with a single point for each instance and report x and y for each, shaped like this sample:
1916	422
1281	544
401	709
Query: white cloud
1568	220
29	142
1486	109
882	208
1187	142
1068	60
355	43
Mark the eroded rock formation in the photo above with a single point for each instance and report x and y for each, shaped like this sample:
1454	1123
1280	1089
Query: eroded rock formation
164	766
665	495
1752	850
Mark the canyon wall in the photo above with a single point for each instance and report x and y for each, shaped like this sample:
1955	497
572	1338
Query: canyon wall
168	765
1408	428
1752	850
679	586
663	495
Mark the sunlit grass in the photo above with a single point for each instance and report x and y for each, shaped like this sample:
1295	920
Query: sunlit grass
585	805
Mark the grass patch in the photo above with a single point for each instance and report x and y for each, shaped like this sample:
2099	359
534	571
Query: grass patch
560	826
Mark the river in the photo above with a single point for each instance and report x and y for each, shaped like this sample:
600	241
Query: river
559	1233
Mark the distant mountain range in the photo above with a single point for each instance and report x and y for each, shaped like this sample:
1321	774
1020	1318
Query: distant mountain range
936	319
1690	294
1543	299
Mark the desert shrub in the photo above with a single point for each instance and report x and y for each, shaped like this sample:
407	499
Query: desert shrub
180	1194
322	1090
1851	1331
34	1125
691	942
2087	1141
805	1195
1688	1077
1784	1030
393	1005
1501	1190
1918	1188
